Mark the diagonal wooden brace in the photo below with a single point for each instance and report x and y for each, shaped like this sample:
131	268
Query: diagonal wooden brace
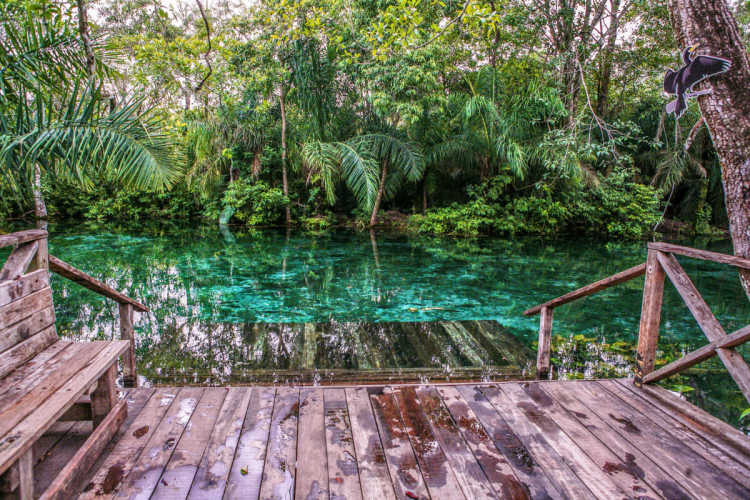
733	361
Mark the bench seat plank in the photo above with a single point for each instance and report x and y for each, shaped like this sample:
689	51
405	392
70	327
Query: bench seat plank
51	399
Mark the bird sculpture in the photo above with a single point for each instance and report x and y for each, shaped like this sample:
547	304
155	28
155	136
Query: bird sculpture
695	69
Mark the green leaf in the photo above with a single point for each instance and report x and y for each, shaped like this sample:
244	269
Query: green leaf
745	414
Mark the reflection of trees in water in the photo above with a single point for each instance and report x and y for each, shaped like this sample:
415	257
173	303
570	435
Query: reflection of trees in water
192	276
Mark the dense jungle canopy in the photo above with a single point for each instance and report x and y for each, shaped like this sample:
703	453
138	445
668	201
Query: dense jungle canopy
455	117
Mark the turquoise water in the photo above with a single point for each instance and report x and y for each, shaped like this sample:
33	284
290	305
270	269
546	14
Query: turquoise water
207	286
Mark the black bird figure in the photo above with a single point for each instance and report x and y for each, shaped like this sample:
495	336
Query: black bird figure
695	69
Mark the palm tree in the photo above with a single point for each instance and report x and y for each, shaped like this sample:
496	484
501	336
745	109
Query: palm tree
373	166
55	123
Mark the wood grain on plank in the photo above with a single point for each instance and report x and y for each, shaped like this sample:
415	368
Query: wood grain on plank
211	478
108	479
525	467
67	479
622	471
373	469
467	470
490	459
402	462
18	261
312	460
24	351
544	453
342	459
140	483
26	328
437	472
23	308
12	239
648	330
247	469
698	476
27	395
728	459
11	291
279	471
695	416
25	377
182	466
662	480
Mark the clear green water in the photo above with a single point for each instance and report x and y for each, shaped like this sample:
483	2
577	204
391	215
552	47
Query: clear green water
207	287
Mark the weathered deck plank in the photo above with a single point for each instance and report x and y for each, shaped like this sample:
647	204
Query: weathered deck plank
182	466
246	473
343	473
402	463
373	469
700	476
279	471
438	474
312	461
640	464
211	478
530	440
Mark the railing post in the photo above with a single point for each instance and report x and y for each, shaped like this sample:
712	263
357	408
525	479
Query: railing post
648	334
130	375
545	341
41	259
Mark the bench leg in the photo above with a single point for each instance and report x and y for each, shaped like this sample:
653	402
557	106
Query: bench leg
104	397
26	475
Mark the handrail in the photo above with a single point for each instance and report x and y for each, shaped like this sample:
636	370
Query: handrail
545	321
12	239
591	289
65	270
126	307
701	254
662	263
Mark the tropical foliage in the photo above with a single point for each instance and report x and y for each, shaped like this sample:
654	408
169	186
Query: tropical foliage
467	117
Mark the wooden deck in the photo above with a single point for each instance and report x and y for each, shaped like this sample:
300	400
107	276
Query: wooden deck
546	440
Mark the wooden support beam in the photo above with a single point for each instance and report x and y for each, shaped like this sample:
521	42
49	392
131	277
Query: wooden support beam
701	254
648	333
699	355
41	259
591	289
104	397
67	481
26	475
733	361
13	239
545	343
18	261
130	375
77	276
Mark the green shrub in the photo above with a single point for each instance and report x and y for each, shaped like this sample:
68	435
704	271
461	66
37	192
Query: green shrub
256	203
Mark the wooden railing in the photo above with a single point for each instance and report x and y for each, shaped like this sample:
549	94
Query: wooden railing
661	263
35	256
545	323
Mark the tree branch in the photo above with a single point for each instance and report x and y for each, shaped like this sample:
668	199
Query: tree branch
208	52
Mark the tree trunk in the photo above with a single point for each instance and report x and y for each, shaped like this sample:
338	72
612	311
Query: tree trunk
424	197
282	103
727	109
83	28
607	63
381	189
40	208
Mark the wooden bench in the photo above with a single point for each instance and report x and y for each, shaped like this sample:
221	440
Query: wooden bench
44	379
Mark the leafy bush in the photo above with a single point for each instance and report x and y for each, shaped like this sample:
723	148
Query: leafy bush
256	203
616	208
